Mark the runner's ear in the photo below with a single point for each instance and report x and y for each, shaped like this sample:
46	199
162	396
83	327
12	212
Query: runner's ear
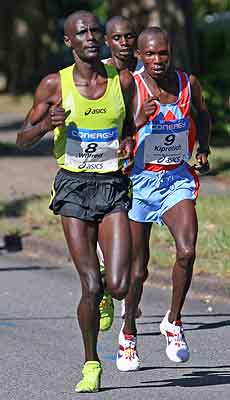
138	53
67	41
106	40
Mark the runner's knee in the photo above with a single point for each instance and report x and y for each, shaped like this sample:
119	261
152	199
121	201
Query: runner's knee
139	277
91	287
139	271
118	290
186	256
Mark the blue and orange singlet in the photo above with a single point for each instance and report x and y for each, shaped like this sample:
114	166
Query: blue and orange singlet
168	138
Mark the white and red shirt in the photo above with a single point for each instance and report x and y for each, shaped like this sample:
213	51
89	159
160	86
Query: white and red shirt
168	138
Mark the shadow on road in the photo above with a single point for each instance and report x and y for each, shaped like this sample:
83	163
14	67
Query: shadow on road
31	268
10	126
190	326
207	376
43	148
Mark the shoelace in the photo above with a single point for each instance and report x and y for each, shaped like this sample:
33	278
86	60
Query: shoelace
129	348
90	372
129	353
177	336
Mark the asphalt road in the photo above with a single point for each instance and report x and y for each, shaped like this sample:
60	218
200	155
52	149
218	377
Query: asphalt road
41	348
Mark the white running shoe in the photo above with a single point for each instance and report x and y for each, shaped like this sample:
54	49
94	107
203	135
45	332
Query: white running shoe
138	313
123	308
127	357
176	349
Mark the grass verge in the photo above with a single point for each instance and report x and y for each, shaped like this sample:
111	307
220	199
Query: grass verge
31	216
213	250
15	104
220	161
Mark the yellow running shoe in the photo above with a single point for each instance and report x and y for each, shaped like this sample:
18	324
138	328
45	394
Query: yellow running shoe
91	381
106	309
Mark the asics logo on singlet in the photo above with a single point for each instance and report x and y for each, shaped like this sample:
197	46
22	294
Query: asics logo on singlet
95	111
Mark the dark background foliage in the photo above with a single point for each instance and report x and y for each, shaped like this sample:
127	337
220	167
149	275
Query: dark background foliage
31	42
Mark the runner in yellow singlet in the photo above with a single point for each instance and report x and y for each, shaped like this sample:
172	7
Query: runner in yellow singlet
88	105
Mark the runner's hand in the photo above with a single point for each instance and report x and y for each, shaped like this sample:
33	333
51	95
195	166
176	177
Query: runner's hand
56	116
148	110
150	106
202	158
125	152
203	167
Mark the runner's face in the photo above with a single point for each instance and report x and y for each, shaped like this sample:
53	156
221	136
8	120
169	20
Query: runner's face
156	55
86	37
122	41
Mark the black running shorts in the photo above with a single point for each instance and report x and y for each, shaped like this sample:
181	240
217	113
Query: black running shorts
90	196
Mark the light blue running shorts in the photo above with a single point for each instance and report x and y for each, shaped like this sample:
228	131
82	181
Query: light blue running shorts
156	192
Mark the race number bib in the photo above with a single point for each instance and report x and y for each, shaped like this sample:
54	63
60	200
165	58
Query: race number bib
167	142
92	149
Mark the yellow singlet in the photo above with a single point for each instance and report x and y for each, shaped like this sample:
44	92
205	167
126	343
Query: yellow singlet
90	138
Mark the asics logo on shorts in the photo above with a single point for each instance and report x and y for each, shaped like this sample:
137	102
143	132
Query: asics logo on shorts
95	111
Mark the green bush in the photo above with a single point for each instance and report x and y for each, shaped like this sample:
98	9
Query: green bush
214	51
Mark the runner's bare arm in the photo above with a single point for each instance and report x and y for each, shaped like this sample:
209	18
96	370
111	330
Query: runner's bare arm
203	120
129	92
45	113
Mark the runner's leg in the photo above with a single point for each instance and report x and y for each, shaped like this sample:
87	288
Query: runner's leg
81	238
106	307
127	356
140	257
115	239
181	221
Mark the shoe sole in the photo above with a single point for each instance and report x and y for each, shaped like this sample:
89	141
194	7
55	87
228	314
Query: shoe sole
129	369
87	391
178	361
90	391
162	330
